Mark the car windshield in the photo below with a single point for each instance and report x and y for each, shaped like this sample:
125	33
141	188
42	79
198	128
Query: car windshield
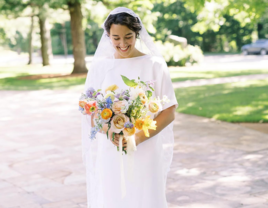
260	41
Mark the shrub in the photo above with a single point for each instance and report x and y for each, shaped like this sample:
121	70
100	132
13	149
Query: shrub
175	55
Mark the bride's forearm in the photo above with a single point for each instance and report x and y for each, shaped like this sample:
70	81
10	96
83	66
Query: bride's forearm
162	120
104	127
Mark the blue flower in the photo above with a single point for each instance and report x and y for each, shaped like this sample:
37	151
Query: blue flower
93	132
109	102
81	109
128	125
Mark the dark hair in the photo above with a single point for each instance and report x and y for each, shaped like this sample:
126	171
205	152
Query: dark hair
123	18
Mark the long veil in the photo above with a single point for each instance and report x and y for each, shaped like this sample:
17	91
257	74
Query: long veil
91	149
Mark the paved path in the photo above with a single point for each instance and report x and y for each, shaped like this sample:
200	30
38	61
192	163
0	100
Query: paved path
220	80
215	165
210	62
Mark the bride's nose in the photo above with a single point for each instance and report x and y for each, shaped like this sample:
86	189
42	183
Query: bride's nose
122	43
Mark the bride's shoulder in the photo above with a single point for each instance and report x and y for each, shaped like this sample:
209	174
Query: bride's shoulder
157	61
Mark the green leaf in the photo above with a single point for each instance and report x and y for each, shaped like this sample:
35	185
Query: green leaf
128	82
143	82
149	94
151	88
109	126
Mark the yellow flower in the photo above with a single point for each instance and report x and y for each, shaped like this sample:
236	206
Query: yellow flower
153	107
112	88
148	124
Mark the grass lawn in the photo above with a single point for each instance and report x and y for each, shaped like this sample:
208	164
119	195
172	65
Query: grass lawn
220	53
183	74
233	102
10	77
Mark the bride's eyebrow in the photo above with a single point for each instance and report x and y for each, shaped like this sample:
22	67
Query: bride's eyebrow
125	35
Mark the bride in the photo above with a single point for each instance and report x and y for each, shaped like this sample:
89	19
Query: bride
127	49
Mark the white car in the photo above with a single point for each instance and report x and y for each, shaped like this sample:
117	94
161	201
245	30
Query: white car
258	47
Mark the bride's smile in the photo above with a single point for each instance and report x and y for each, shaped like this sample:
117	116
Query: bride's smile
123	40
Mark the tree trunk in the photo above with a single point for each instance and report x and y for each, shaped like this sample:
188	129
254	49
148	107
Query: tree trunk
46	49
261	33
78	38
64	40
30	49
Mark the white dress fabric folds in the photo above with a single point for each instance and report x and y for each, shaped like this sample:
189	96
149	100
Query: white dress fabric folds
150	163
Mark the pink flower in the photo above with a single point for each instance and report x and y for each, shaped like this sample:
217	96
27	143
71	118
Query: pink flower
118	122
91	107
117	106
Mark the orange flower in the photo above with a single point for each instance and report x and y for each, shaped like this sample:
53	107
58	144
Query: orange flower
106	113
143	98
82	103
139	123
91	107
129	131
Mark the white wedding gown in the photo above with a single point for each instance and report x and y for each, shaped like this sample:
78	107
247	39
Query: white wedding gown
152	159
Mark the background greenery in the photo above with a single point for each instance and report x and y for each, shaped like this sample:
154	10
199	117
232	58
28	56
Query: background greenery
210	26
215	26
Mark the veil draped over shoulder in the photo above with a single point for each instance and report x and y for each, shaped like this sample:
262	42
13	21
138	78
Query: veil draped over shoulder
91	148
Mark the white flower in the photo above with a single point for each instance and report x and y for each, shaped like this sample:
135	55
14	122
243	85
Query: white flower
134	92
125	107
165	99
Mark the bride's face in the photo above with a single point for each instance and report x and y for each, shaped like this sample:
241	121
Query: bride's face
123	40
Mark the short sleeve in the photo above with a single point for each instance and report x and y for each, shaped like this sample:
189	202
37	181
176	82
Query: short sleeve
163	85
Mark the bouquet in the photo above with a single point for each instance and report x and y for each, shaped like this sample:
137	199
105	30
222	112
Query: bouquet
124	111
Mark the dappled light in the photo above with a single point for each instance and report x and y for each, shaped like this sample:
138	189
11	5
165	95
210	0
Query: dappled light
234	102
216	53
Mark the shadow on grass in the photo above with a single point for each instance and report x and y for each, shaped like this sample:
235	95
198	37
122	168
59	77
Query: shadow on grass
14	83
232	102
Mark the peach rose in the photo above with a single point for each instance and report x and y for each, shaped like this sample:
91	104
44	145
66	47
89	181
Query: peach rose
118	122
117	106
153	107
82	103
143	98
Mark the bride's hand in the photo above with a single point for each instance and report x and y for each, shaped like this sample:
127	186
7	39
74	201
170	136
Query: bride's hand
116	139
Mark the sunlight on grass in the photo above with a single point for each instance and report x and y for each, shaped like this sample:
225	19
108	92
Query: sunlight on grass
181	74
245	110
233	102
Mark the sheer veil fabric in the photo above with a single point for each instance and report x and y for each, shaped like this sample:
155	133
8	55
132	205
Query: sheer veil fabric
94	151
